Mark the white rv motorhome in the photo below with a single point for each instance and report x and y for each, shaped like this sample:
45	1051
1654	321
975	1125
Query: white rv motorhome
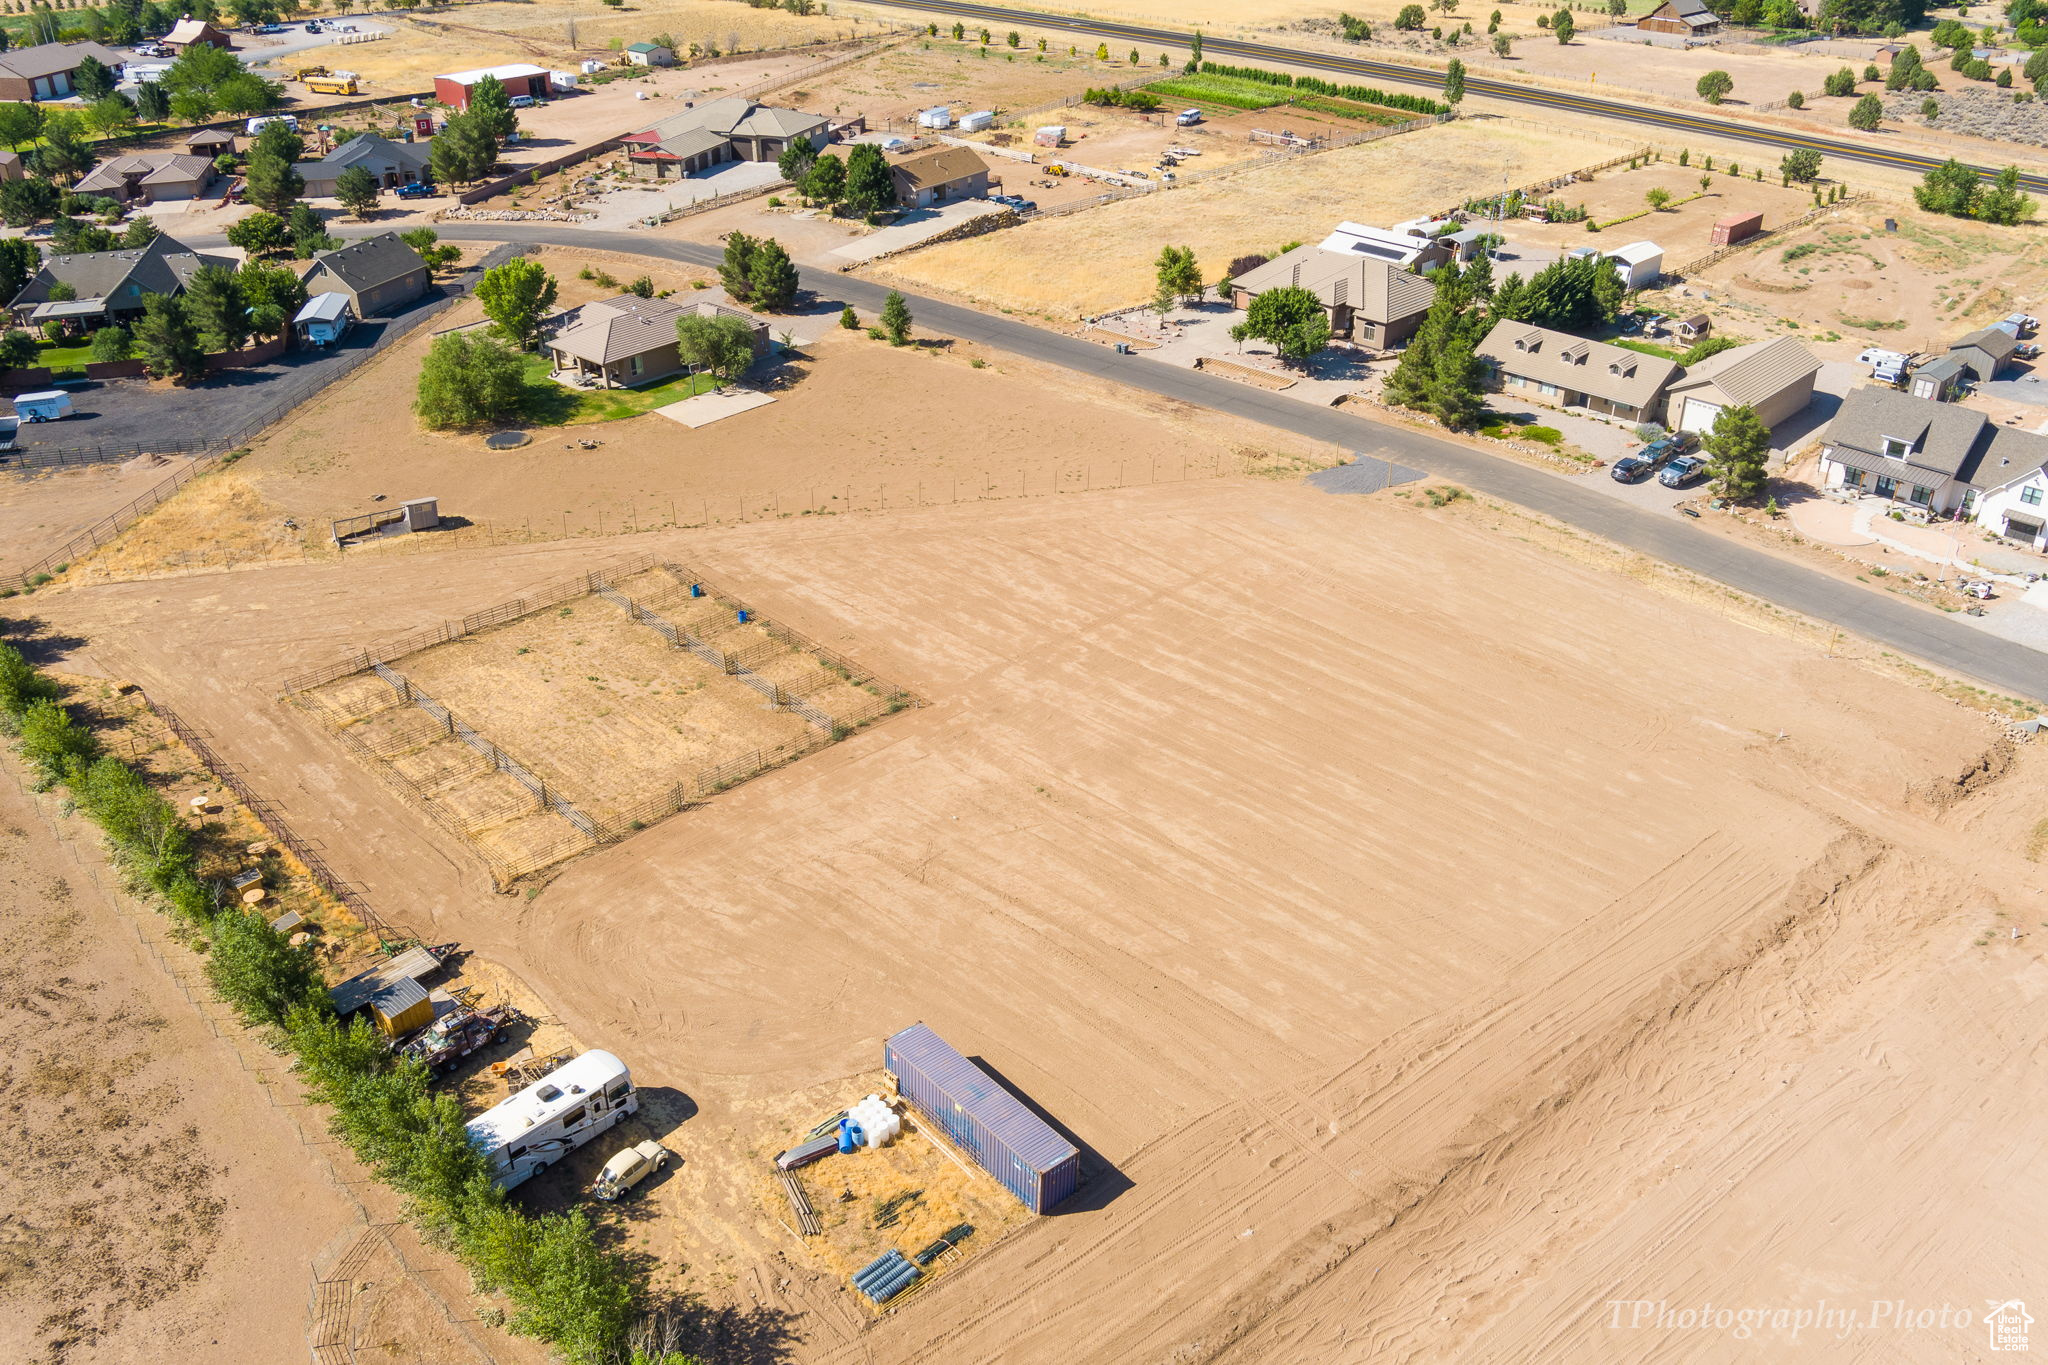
543	1123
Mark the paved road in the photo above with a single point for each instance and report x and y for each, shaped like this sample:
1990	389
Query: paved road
1925	634
1869	148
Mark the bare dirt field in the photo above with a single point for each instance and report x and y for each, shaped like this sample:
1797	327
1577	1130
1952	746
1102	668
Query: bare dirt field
1087	263
41	508
1684	231
1434	926
558	34
1004	429
893	87
1915	288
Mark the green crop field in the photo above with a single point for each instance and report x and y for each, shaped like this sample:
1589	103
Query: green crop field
1235	92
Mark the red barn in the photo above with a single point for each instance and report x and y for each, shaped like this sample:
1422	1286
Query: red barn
520	78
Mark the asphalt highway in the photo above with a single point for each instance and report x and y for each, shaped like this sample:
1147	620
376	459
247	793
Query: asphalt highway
1869	150
1912	630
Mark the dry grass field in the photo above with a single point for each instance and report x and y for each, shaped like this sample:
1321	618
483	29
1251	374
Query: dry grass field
1435	926
918	74
1087	263
557	34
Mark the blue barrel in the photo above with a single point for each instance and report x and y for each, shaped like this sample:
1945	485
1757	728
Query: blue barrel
744	615
850	1138
696	590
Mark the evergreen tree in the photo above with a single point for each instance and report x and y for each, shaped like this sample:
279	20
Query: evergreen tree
896	319
92	79
795	160
736	272
167	342
490	104
1736	450
869	186
271	181
1454	82
213	303
825	181
356	189
772	277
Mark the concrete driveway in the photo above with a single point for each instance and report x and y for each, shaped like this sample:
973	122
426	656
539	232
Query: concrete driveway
627	206
916	226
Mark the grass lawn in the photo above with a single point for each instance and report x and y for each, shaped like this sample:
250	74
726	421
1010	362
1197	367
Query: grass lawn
1646	347
63	357
550	404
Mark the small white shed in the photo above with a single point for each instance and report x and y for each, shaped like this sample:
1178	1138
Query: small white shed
1639	263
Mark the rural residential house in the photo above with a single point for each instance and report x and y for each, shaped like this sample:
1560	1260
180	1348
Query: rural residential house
1775	378
1985	352
44	72
1943	459
723	130
149	177
389	163
1369	300
190	33
628	340
518	78
1571	372
1689	18
649	54
379	274
939	177
1409	246
109	285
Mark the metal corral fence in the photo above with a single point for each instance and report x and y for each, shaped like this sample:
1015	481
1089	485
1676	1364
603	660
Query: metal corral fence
272	820
826	727
205	450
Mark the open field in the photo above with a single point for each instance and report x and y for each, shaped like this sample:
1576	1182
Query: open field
48	507
1003	429
1087	263
559	34
1684	230
892	87
1917	288
1410	912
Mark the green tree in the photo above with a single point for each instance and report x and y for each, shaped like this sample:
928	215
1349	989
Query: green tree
1904	66
1454	82
1736	450
515	297
271	181
356	189
469	381
152	102
1503	46
848	319
490	104
1656	197
1951	188
259	233
64	154
772	277
24	203
431	249
1411	19
1801	166
1842	82
721	344
213	303
736	271
19	262
1714	86
1930	109
257	972
825	181
167	342
1291	319
18	350
111	343
1178	274
796	160
20	123
308	232
464	151
53	741
869	186
93	79
2003	203
1563	26
271	286
246	93
21	686
1867	114
896	319
110	115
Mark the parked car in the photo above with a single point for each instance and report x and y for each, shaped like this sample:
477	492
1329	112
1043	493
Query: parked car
1630	468
1682	471
416	189
1669	445
627	1169
313	26
523	101
268	28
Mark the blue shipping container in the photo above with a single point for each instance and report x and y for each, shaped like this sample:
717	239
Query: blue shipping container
1025	1154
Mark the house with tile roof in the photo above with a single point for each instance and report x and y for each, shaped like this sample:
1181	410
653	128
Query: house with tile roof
627	341
149	177
721	130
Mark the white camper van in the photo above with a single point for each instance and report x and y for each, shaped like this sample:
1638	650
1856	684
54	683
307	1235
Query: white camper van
551	1118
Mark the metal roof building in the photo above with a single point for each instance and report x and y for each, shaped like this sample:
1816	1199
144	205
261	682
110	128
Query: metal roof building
1025	1154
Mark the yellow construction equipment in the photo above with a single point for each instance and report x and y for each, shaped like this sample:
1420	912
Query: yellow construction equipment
303	72
1055	168
332	85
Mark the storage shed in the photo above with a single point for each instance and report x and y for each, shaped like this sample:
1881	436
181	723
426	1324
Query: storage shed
1736	227
392	994
518	78
1025	1154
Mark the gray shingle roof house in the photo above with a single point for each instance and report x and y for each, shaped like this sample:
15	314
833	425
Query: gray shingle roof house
1570	371
389	163
1941	458
44	72
1371	300
629	340
731	129
1985	352
149	177
1773	377
110	285
378	274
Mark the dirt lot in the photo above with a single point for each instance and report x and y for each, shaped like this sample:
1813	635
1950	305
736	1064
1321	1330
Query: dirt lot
1024	431
1173	732
892	88
1088	263
1684	231
44	508
1917	288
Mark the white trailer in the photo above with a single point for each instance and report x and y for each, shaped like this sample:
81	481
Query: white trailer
551	1118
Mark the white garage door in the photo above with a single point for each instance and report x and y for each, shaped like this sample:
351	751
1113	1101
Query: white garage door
1698	416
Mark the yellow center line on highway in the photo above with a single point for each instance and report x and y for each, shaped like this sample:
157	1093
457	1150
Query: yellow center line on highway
1562	100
